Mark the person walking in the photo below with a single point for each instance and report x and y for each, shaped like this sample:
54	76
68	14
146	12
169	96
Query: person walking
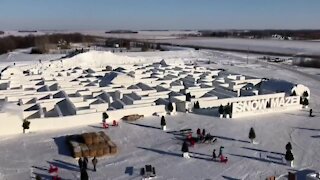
310	113
85	163
94	162
80	163
84	175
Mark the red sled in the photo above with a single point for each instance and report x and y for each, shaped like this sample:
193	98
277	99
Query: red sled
115	123
53	170
105	125
223	159
192	142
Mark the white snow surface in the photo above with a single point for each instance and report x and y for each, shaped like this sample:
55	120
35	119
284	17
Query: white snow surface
21	57
25	155
259	45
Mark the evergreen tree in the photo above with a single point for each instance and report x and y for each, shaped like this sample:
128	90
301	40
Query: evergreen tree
25	125
220	109
289	156
105	116
163	121
252	134
188	97
288	146
305	102
197	105
293	93
170	107
227	109
305	94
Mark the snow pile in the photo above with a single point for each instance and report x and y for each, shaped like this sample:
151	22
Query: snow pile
103	59
11	108
99	59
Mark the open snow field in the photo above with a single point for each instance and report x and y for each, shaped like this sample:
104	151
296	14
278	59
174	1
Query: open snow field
142	143
258	45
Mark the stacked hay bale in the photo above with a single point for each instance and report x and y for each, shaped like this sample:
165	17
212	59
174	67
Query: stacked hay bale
132	117
91	144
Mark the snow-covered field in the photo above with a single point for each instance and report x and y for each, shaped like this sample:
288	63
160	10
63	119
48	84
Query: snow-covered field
142	143
21	57
139	35
258	45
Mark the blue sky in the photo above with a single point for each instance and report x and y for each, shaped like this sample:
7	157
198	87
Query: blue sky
159	14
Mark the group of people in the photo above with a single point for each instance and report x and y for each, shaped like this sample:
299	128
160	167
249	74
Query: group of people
83	165
220	155
201	135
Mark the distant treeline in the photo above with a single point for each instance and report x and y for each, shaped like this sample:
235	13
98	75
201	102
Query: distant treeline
122	32
1	32
10	43
27	31
259	34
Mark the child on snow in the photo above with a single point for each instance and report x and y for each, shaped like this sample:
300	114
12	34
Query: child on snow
185	150
94	163
214	156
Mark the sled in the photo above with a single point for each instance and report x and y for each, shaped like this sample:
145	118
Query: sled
209	139
223	159
148	172
185	131
115	123
181	132
105	125
53	170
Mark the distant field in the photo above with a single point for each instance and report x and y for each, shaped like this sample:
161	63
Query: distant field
307	48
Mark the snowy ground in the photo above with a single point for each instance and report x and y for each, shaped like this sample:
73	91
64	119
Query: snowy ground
22	57
144	143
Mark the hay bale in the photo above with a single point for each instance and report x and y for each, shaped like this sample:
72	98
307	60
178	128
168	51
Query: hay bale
132	117
77	152
95	138
87	138
73	144
100	138
106	138
84	150
99	149
92	150
106	150
113	147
